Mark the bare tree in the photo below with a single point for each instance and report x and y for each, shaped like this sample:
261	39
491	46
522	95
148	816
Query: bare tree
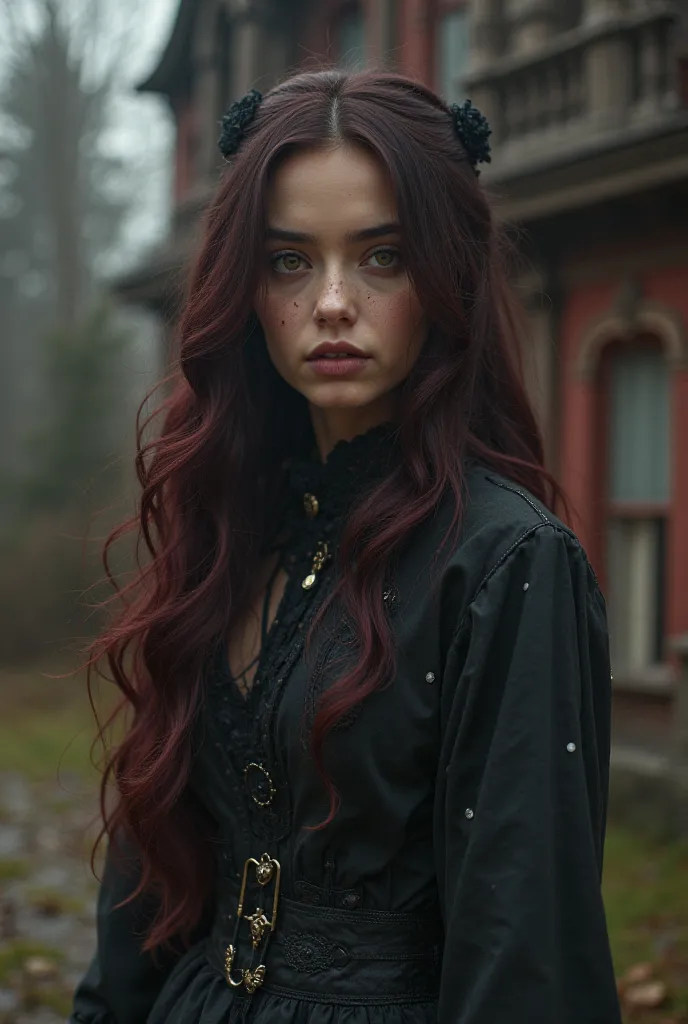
74	179
64	193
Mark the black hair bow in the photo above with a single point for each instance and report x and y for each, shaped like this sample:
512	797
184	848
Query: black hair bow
235	122
473	130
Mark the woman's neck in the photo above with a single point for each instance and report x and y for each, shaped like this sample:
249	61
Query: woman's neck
342	424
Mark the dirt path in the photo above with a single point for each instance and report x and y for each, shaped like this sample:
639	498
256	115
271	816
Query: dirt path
47	896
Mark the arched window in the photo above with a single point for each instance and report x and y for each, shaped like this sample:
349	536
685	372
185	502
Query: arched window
637	378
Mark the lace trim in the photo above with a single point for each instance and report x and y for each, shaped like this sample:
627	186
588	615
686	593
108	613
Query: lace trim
247	724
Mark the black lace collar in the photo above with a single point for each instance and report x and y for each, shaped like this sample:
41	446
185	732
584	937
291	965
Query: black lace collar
352	467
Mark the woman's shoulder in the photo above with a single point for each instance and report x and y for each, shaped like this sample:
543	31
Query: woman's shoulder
502	526
499	515
495	506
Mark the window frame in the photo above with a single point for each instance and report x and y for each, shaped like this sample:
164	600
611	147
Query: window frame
610	510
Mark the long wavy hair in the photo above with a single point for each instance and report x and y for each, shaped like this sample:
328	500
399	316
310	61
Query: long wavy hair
213	476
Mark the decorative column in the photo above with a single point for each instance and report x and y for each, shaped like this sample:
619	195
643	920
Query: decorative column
232	49
531	22
486	32
659	66
247	45
607	65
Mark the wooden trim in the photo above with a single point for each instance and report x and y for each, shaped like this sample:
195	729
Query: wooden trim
593	268
601	386
658	680
544	202
606	510
638	510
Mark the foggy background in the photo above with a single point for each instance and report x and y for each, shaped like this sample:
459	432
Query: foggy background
84	192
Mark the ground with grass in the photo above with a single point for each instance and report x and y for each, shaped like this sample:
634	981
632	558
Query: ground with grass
47	892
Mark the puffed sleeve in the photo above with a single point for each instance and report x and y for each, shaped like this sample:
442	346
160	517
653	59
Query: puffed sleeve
122	982
521	795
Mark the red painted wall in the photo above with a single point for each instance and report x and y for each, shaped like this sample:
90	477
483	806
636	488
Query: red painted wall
578	419
581	435
415	51
322	30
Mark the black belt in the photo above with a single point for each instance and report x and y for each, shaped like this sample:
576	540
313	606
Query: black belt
263	940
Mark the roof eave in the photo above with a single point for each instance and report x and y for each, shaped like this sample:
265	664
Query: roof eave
166	76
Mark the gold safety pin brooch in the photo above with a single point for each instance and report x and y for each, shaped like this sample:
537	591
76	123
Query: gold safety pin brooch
261	927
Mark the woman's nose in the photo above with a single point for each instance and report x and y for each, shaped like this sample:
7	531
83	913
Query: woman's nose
335	301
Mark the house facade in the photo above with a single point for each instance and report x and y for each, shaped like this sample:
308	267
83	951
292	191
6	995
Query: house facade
588	100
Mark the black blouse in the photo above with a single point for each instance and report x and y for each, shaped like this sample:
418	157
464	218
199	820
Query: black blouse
459	882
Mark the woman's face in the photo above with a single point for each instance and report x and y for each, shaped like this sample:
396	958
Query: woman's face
335	278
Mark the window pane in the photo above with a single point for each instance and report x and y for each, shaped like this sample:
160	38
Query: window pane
640	428
351	36
452	54
635	560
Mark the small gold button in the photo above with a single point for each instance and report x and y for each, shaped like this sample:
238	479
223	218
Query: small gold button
309	581
311	505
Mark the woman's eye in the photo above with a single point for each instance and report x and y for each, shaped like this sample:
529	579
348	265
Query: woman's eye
287	262
385	258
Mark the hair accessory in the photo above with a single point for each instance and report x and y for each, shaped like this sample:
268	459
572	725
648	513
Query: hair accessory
473	130
236	120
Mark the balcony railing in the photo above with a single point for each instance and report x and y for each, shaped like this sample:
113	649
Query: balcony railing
652	63
599	79
537	97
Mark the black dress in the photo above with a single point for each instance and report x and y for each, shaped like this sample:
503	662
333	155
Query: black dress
459	882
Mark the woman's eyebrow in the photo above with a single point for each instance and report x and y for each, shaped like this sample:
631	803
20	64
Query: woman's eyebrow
391	228
284	235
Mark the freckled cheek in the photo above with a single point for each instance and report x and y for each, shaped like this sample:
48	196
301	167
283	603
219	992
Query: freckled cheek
281	318
394	318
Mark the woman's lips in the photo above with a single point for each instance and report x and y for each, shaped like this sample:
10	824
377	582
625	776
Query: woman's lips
338	366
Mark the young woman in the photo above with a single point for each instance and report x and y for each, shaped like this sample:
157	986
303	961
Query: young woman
365	778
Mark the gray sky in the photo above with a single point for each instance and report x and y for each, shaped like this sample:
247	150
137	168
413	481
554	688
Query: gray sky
141	128
158	23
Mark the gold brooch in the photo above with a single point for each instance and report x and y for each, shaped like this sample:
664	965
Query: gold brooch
261	927
320	558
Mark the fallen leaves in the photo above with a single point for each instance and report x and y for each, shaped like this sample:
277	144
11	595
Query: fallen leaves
639	989
648	996
638	974
40	968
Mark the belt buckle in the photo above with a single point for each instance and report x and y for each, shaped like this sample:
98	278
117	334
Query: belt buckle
261	927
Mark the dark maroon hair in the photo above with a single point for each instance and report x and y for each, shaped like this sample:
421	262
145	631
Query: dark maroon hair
213	477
